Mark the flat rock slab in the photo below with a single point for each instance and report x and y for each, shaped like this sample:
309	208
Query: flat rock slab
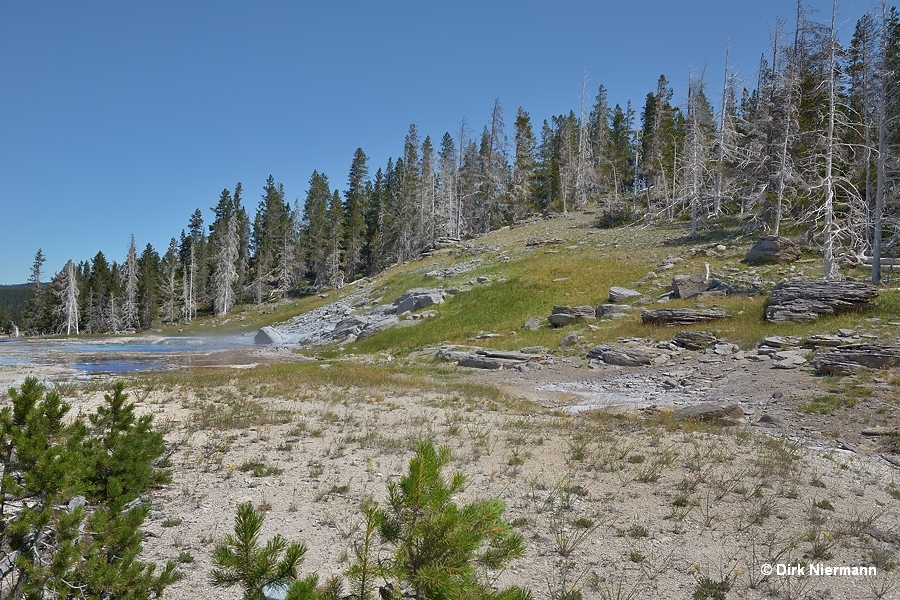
710	412
614	311
622	294
478	361
682	316
845	360
804	300
774	249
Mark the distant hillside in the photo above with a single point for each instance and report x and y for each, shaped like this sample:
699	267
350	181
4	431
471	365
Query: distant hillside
12	302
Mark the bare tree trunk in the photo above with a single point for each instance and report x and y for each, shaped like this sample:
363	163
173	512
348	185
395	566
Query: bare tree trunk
829	266
884	78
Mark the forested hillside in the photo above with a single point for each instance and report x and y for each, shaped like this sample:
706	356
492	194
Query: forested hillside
809	150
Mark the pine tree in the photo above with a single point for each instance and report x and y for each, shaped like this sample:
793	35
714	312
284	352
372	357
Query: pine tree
334	234
521	187
448	176
314	238
148	285
170	282
70	498
240	559
356	206
130	301
34	310
437	548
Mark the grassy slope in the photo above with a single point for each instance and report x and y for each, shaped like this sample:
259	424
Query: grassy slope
528	281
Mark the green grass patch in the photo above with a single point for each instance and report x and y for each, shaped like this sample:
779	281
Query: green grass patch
825	405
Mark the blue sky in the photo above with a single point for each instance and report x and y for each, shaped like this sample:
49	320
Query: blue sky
120	118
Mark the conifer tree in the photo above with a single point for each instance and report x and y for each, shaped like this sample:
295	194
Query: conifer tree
333	237
438	550
448	176
170	283
69	498
240	559
35	305
521	187
356	206
314	238
130	300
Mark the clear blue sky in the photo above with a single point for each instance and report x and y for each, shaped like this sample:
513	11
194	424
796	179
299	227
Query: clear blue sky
123	117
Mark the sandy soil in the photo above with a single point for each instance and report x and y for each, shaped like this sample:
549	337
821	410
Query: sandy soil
615	507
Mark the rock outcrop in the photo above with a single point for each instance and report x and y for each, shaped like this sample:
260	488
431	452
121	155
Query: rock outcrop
845	360
621	294
561	316
682	316
804	300
418	298
774	249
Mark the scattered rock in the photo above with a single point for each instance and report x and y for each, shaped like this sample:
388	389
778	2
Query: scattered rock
268	335
768	420
566	315
804	300
774	249
622	294
533	324
534	242
570	340
845	360
710	412
824	339
682	316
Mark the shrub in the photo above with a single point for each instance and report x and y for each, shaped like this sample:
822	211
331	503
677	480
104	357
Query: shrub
70	497
436	547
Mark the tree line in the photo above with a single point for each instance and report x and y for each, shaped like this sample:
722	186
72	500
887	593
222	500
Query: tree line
811	147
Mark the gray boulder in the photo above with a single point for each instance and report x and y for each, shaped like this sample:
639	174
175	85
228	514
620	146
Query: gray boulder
688	286
774	249
613	311
268	335
418	298
622	294
533	324
566	315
